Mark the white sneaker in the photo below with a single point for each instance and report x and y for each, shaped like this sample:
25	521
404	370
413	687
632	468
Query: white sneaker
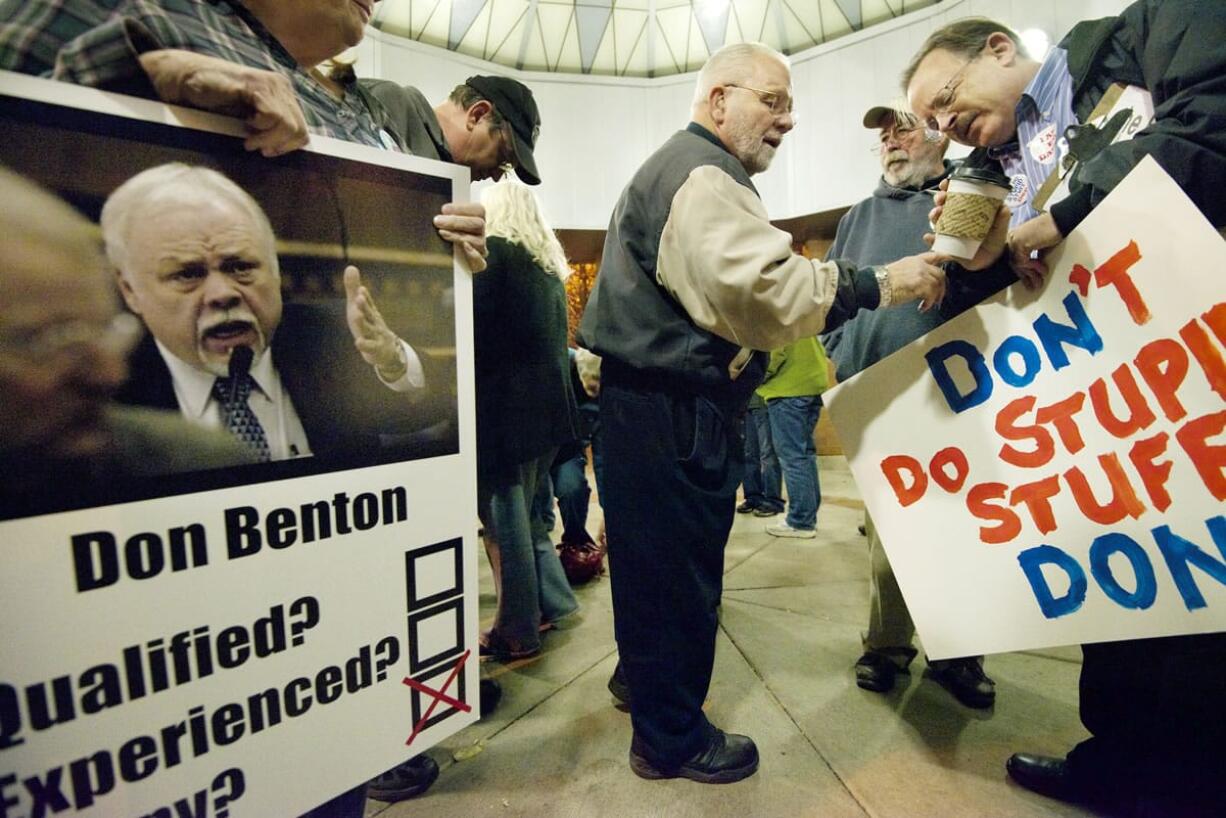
785	530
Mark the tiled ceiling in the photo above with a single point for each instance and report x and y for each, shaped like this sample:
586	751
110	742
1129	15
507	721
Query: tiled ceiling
633	38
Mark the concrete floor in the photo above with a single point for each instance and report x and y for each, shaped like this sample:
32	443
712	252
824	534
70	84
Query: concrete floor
789	635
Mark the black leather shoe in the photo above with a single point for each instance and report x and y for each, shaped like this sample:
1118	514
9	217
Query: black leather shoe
491	694
1045	775
966	680
729	757
875	671
409	780
746	507
618	686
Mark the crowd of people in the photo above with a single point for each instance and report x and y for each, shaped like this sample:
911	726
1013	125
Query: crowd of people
700	307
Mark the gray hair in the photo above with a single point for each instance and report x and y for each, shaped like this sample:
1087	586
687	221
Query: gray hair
962	38
732	63
176	182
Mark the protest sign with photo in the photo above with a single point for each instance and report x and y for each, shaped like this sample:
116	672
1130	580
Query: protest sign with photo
186	635
1049	468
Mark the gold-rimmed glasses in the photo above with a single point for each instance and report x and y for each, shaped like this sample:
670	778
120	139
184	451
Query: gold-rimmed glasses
943	100
779	104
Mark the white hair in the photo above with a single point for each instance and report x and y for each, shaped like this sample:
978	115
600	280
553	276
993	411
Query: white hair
512	213
176	183
732	63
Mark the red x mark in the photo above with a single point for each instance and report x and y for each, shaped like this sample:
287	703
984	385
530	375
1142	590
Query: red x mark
439	695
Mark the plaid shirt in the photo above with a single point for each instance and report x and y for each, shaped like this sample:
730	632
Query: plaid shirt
98	43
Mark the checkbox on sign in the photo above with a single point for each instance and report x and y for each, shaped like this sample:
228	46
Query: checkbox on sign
434	573
436	635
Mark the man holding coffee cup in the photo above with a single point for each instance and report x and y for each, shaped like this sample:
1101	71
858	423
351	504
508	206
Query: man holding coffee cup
1153	707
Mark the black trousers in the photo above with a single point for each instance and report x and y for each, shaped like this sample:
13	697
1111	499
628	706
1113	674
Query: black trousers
672	464
1156	711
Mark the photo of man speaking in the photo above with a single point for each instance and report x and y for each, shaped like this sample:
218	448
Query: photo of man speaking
195	259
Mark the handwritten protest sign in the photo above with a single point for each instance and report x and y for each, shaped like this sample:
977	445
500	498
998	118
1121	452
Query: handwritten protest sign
257	639
1050	469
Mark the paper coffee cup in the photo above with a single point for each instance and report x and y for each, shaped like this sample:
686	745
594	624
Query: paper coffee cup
972	201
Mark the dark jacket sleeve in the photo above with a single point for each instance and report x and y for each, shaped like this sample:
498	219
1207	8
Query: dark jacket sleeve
1177	50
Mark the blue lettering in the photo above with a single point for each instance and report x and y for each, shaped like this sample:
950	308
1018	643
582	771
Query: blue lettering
937	356
1032	561
1178	552
1016	344
1114	543
1080	334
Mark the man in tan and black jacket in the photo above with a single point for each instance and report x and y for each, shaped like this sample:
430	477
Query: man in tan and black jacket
694	283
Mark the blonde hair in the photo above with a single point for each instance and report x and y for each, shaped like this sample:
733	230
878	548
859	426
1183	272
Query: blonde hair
512	213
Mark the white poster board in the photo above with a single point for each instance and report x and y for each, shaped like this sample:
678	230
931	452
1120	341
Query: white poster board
1049	469
249	641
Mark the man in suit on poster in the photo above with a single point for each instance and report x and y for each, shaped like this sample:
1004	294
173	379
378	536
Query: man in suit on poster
63	441
195	259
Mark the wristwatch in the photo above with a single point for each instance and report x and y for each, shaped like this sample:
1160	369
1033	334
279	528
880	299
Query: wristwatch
883	284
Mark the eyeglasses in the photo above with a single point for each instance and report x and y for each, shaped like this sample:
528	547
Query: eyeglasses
944	98
53	342
901	134
779	104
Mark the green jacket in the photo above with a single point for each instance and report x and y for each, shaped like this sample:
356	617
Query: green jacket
797	370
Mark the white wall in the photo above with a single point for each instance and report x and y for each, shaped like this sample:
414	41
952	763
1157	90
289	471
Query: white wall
596	131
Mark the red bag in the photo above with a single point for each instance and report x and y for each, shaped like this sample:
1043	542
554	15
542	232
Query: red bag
582	561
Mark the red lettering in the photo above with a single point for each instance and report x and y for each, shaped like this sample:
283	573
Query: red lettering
977	504
1154	475
1209	459
1163	364
1206	354
1035	496
1008	428
1114	272
1080	277
1216	319
1124	501
1060	415
1140	414
951	456
893	468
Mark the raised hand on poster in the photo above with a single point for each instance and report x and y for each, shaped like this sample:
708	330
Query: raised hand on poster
379	346
1026	244
464	224
264	100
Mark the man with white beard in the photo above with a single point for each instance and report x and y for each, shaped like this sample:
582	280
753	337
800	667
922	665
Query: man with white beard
694	286
885	225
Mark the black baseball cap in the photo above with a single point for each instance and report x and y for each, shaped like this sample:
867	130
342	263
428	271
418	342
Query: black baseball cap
515	103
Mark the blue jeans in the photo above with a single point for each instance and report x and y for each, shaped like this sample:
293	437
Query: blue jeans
569	479
763	480
792	422
528	576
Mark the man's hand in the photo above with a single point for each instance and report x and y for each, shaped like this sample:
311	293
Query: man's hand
587	364
917	277
464	224
379	346
993	244
1029	238
264	100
